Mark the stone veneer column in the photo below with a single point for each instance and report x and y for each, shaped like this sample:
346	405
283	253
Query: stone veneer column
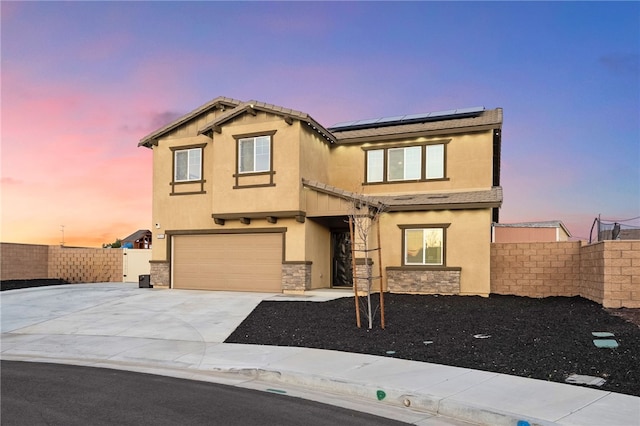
296	276
159	273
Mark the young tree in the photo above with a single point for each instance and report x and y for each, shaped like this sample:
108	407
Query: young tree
363	217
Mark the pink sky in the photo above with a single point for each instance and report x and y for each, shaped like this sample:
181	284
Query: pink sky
83	82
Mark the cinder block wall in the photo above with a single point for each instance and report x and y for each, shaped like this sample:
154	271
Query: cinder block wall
592	272
536	269
23	261
621	274
607	272
85	265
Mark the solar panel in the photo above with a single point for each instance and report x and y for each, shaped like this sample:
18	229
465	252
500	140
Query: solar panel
471	110
365	122
390	119
410	118
442	113
343	124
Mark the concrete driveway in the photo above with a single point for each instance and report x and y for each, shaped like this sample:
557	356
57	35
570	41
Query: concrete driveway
123	309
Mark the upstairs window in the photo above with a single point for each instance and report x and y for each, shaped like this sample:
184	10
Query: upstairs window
254	154
435	162
404	163
411	163
187	165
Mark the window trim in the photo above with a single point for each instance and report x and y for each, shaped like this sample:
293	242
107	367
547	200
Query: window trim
175	182
422	226
238	174
423	158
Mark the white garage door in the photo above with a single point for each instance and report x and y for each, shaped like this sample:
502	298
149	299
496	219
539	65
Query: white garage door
236	262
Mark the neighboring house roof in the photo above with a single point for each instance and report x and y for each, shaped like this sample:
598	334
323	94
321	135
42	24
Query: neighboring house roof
136	235
252	106
219	102
542	224
414	202
481	120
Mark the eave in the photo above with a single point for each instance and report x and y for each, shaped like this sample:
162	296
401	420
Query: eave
220	102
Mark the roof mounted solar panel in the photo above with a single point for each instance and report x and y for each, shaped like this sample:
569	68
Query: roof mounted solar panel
471	110
343	124
366	122
447	113
408	119
393	119
414	117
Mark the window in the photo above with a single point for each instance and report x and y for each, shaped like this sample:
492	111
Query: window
188	165
412	163
435	161
254	154
424	246
404	163
375	165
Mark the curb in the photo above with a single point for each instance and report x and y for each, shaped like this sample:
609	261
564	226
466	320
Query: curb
398	398
368	393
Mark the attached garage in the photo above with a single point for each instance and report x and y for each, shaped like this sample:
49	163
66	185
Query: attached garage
233	262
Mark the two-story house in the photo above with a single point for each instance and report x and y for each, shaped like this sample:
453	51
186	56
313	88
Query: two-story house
255	197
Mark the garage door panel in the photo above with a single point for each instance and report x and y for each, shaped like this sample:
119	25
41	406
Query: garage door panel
240	262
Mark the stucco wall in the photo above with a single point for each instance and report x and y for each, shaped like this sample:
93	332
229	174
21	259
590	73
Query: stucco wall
466	246
469	164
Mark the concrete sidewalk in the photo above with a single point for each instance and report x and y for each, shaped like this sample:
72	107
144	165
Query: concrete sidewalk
180	333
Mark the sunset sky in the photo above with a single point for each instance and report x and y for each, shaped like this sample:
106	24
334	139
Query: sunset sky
83	82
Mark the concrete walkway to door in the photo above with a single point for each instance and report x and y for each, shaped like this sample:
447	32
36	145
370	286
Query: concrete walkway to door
180	333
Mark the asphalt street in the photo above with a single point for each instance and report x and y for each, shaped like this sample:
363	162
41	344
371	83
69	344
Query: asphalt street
54	394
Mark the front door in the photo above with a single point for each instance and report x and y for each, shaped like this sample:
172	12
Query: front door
341	275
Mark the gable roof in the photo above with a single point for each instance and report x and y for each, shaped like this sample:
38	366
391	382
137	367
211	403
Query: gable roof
482	120
219	102
460	120
136	235
253	105
416	202
540	224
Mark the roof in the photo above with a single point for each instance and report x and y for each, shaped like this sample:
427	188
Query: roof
253	105
458	120
219	102
421	201
482	120
137	235
541	224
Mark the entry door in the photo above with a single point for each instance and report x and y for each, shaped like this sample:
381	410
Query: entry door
341	275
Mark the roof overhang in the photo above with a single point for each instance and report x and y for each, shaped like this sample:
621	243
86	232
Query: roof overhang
483	199
220	102
251	107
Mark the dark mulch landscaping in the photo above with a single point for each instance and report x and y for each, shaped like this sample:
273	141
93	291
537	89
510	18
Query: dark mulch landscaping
548	339
18	284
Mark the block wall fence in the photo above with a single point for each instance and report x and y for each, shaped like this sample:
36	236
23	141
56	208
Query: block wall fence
74	265
607	272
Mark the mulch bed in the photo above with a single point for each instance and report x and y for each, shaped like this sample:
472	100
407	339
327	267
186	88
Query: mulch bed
548	339
18	284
